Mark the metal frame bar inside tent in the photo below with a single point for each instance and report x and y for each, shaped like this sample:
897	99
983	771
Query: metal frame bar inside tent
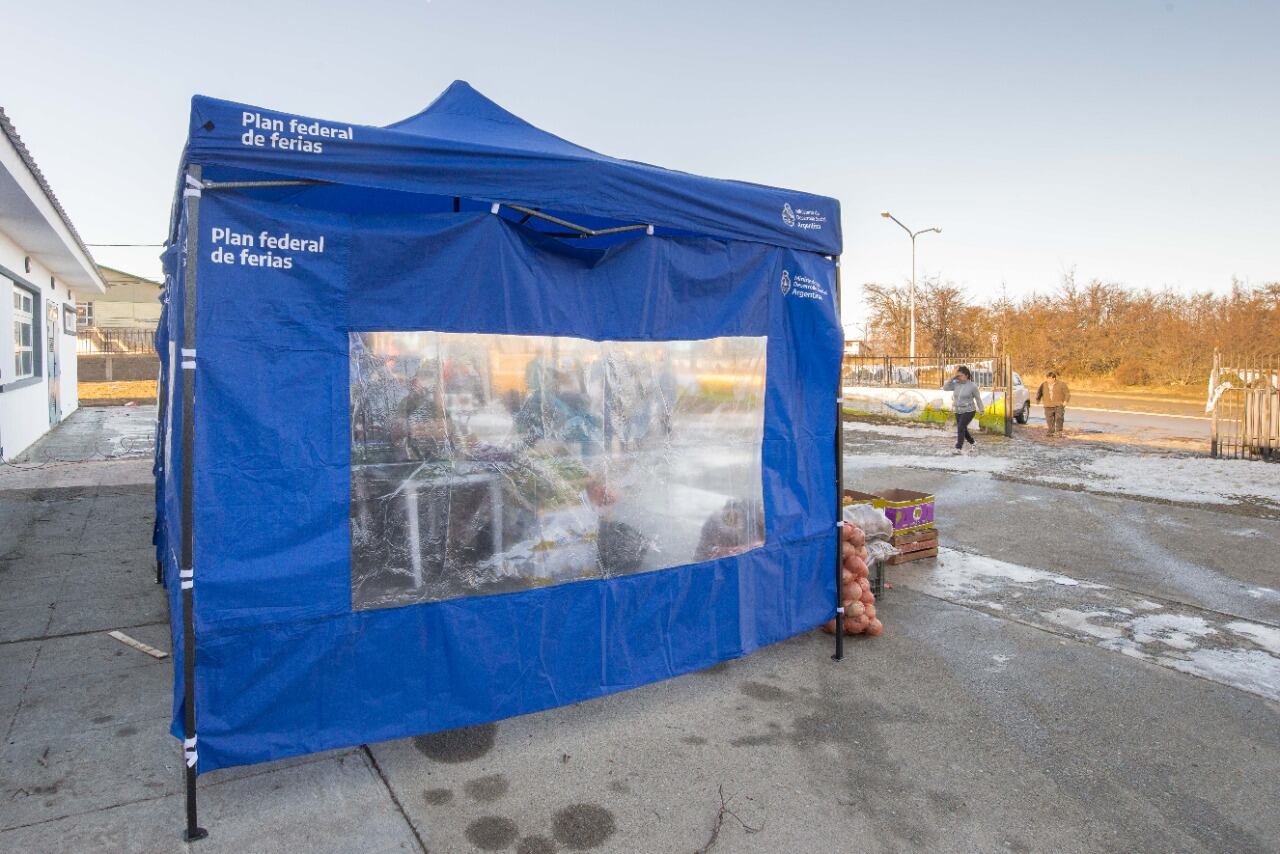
579	230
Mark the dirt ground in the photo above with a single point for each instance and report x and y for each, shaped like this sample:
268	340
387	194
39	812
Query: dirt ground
113	393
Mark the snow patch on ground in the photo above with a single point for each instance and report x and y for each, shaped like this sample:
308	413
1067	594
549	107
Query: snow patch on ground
1250	669
1170	477
1179	631
965	575
1080	622
1227	650
1189	480
961	463
1267	637
898	430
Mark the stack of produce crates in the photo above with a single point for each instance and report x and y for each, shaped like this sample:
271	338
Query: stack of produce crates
911	514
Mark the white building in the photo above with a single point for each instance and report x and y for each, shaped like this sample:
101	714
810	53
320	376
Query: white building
131	302
42	261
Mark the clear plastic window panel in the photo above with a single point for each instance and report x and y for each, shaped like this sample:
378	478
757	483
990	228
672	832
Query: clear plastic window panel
486	464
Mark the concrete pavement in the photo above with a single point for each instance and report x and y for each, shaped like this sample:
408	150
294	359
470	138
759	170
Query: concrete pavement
962	728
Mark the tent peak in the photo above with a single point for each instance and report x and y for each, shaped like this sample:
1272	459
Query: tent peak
462	100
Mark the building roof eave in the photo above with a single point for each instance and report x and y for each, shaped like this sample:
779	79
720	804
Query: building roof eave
83	273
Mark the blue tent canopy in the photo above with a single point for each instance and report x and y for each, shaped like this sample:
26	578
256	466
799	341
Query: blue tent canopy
425	464
464	145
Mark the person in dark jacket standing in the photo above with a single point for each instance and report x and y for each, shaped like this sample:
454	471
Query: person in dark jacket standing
1055	396
968	403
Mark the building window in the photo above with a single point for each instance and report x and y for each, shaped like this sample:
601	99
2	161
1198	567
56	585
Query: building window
23	333
84	314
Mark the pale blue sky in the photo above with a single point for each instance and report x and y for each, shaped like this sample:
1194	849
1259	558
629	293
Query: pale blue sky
1133	141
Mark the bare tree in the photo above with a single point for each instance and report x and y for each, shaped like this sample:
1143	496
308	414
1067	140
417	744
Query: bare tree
890	309
1099	329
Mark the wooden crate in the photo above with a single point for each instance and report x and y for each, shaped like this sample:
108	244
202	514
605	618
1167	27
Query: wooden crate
920	535
920	554
919	546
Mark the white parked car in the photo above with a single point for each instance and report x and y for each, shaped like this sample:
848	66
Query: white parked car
1021	400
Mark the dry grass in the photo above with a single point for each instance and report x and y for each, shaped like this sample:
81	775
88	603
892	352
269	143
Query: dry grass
1095	385
123	390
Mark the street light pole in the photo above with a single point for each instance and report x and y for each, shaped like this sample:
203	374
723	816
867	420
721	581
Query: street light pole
913	235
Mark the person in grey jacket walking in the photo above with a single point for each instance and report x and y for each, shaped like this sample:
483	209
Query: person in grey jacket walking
968	403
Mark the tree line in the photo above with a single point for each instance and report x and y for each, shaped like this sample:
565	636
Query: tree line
1098	330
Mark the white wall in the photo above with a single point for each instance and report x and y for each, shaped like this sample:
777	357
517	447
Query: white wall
24	412
126	315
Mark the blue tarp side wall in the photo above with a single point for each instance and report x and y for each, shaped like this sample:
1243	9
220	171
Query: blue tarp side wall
465	145
161	341
285	666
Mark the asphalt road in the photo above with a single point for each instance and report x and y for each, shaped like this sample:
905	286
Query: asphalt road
975	723
1099	417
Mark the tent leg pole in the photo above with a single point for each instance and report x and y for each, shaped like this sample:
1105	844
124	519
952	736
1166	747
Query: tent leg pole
193	830
839	653
186	574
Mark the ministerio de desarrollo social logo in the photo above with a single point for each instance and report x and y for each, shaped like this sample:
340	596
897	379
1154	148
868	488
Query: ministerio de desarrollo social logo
786	283
788	215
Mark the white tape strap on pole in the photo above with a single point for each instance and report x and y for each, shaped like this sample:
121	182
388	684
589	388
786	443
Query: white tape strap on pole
189	750
188	358
193	188
187	577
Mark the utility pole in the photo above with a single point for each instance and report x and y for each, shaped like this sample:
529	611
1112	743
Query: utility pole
913	235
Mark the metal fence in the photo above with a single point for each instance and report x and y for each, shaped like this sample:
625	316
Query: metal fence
112	341
993	374
921	371
1244	398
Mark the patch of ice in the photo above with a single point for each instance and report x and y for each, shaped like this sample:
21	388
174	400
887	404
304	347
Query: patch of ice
1250	670
1262	592
1182	479
970	576
1267	637
1125	646
921	432
1179	631
1234	652
961	463
1079	621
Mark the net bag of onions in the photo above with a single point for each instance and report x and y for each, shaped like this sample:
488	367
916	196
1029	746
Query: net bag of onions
855	587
